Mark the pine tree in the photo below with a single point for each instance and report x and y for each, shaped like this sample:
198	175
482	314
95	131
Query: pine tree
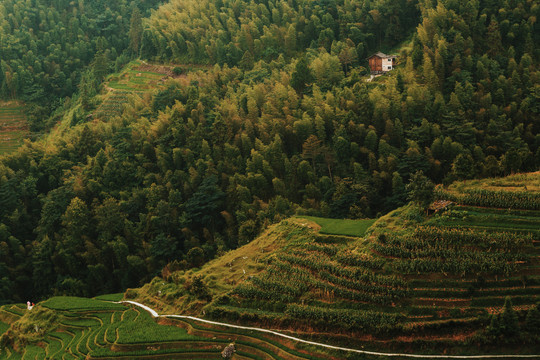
246	63
302	76
532	321
135	31
509	321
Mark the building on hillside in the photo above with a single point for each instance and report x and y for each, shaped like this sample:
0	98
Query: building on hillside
439	205
380	63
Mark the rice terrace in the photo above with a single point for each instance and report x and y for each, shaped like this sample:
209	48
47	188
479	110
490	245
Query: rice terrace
13	126
396	278
269	179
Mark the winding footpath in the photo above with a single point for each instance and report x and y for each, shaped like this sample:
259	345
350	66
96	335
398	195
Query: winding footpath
155	314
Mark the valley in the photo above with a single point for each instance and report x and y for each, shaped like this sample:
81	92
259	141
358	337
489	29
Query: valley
410	282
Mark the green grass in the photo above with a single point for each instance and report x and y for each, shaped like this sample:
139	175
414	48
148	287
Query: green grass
110	297
344	227
3	327
79	304
145	330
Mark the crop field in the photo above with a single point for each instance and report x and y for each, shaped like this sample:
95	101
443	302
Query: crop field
71	303
13	126
3	327
136	79
110	297
345	227
95	329
433	283
436	281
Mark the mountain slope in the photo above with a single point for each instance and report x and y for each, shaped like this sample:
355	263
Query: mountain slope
436	280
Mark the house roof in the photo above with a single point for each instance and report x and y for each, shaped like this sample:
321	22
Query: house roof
440	204
381	55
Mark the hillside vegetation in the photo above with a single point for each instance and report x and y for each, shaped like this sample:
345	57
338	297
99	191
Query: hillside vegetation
82	328
272	117
410	283
437	283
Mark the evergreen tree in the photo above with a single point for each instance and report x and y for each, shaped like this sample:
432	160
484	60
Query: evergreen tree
532	321
420	189
509	321
302	76
135	30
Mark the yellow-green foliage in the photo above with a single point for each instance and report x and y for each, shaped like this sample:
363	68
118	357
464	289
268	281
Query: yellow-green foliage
225	272
31	327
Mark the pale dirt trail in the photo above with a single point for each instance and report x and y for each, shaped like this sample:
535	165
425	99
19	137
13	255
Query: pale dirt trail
155	314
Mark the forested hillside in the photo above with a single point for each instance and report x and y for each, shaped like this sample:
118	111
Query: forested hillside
240	32
281	122
45	47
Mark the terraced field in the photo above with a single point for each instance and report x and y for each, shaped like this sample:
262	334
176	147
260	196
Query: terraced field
427	284
345	227
406	284
95	329
13	126
136	79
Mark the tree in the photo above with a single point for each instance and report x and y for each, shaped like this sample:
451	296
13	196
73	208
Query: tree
100	66
420	189
463	166
246	63
327	70
164	248
311	148
347	56
301	77
135	30
204	205
76	219
199	288
532	321
509	323
195	256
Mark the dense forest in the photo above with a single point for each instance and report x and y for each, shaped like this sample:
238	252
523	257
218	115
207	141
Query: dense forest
282	121
46	46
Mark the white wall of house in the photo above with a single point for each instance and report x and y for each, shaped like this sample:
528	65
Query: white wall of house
387	64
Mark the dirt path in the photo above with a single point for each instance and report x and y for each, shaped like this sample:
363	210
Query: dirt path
155	314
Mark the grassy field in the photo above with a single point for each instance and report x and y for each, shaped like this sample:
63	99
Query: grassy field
79	304
344	227
13	126
3	327
110	297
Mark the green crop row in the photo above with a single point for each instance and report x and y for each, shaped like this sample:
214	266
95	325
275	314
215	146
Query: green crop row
330	250
349	258
457	265
499	199
353	320
485	239
72	303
